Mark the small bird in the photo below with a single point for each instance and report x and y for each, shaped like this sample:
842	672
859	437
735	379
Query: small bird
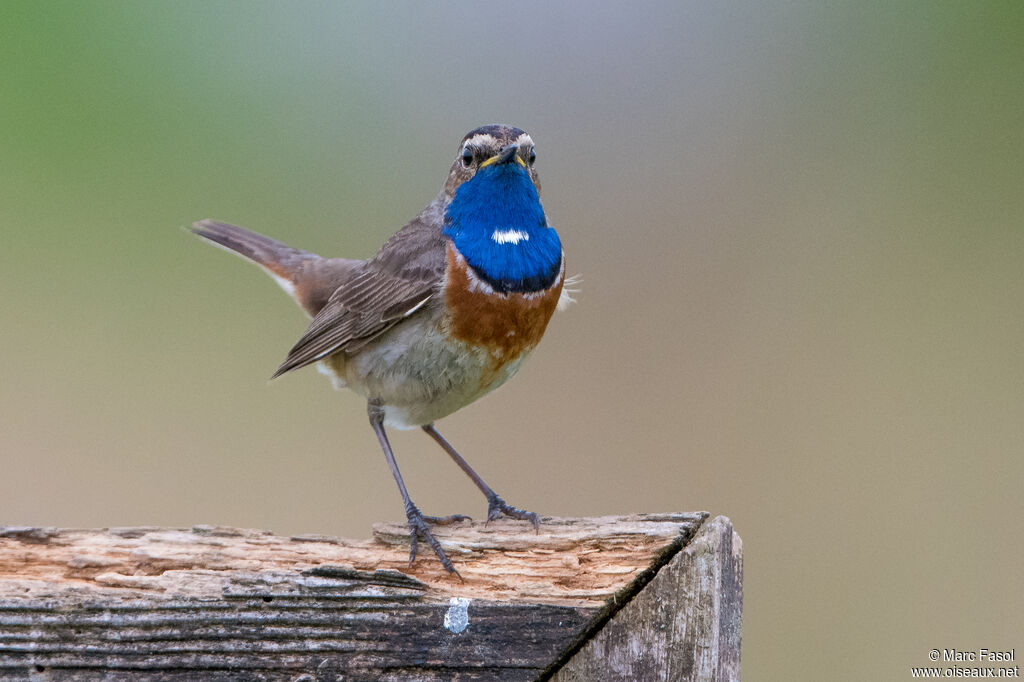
445	312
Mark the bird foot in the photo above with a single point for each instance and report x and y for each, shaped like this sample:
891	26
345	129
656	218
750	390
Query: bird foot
497	507
419	529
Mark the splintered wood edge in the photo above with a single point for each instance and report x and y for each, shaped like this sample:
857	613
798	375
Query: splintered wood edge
581	562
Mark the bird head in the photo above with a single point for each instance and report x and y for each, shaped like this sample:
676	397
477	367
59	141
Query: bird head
491	211
491	146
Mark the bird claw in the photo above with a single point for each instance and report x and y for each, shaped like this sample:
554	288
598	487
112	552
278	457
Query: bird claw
418	529
497	507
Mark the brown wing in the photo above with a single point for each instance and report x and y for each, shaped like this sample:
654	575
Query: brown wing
402	277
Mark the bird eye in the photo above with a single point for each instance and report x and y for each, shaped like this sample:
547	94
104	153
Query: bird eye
533	156
467	156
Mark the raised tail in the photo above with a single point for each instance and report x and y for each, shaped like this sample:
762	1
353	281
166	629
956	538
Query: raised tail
276	256
308	278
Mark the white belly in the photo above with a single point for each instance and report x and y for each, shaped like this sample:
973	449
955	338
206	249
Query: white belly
418	374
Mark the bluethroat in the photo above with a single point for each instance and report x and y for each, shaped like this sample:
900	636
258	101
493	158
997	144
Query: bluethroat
445	312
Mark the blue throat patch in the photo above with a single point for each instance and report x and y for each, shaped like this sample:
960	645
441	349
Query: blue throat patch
497	223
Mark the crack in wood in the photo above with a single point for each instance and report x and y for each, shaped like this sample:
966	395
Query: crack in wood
623	597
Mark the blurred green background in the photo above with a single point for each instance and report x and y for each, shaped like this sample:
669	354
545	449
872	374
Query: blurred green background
800	231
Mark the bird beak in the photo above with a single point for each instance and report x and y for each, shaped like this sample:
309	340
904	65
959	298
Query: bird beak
506	155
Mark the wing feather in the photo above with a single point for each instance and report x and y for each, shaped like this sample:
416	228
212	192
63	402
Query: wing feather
404	275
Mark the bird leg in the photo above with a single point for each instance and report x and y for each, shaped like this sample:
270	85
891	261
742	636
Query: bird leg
418	527
496	507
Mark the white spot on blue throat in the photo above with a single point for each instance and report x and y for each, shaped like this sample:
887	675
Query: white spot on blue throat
457	617
510	236
497	224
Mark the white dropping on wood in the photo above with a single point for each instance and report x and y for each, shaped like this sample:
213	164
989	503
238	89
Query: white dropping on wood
457	617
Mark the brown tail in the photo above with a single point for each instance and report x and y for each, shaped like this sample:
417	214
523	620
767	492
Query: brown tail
306	277
281	259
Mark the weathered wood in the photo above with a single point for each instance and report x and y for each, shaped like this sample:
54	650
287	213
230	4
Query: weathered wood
228	604
684	625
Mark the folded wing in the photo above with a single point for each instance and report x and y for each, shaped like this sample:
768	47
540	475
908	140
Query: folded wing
397	282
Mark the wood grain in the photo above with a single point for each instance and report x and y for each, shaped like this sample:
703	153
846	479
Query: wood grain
223	603
684	625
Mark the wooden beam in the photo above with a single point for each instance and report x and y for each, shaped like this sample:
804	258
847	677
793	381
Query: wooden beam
218	603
